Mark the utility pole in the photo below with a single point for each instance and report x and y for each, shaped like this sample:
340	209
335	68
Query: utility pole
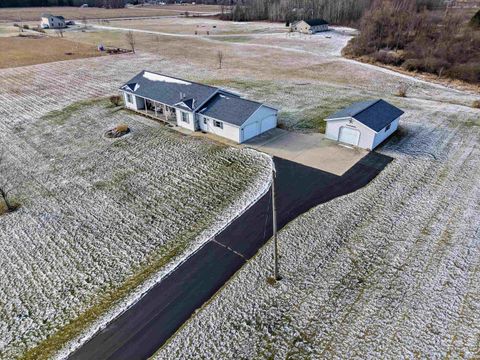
274	220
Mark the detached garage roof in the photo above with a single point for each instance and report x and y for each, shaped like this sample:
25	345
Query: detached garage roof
376	114
231	109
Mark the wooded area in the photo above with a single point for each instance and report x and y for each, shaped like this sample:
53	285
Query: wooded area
397	32
334	11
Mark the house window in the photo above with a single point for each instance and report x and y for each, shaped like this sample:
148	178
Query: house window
129	98
218	124
205	120
387	128
185	117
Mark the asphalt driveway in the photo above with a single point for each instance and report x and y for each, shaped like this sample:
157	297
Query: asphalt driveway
147	325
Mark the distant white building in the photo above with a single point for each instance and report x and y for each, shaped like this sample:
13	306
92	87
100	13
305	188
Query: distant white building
50	21
310	26
364	124
198	107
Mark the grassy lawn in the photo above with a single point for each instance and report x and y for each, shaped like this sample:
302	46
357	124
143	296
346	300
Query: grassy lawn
31	50
114	214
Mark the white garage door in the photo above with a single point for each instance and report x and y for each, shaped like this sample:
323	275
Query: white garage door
269	123
250	131
349	136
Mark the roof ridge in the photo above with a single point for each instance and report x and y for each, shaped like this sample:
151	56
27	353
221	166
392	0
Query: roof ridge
177	78
368	107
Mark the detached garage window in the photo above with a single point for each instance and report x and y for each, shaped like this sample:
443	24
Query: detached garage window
129	98
218	124
388	127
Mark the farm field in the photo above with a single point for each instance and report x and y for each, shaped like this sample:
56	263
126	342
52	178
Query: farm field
201	25
33	13
99	218
383	263
30	50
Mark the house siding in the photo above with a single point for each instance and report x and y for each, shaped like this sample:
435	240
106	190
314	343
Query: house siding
382	134
264	118
367	135
229	131
190	125
53	22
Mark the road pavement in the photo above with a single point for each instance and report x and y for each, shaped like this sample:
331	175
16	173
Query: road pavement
147	325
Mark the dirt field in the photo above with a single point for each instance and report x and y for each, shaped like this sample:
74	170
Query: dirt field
32	14
22	51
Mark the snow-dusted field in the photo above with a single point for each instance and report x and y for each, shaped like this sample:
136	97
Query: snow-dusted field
98	216
390	271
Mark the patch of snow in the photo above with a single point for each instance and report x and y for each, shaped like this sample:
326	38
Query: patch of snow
156	77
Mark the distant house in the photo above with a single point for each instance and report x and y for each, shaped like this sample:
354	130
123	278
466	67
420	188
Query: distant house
364	124
198	107
310	26
50	21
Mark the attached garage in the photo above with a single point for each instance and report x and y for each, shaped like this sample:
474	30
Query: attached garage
364	124
241	119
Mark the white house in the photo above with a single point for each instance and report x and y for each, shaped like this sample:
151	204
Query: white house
310	26
364	124
198	107
50	21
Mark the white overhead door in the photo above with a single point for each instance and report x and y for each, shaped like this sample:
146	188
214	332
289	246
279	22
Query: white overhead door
250	131
268	123
349	136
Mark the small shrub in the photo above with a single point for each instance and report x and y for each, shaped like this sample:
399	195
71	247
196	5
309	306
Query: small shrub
413	65
402	90
388	57
16	25
118	131
115	100
476	104
26	26
469	72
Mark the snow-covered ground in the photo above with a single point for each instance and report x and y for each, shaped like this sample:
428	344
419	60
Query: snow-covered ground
390	271
99	217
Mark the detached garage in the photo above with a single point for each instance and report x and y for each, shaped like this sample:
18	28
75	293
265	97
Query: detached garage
364	124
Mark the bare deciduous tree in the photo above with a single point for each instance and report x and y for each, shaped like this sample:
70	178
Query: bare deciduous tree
84	21
220	58
131	40
59	32
5	187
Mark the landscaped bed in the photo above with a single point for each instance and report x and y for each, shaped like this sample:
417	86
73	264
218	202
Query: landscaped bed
100	216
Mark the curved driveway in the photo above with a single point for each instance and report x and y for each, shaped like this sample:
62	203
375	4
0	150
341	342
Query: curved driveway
147	325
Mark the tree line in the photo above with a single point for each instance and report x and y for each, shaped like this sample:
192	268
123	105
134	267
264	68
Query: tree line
334	11
398	32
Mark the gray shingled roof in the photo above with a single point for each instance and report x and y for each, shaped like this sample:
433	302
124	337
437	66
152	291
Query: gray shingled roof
221	105
231	109
168	90
316	22
376	114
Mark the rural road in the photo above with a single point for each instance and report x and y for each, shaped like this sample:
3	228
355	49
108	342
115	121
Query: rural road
147	325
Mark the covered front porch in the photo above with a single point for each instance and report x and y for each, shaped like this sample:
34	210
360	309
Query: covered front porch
159	111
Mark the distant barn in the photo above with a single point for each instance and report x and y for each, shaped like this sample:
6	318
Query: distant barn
310	26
